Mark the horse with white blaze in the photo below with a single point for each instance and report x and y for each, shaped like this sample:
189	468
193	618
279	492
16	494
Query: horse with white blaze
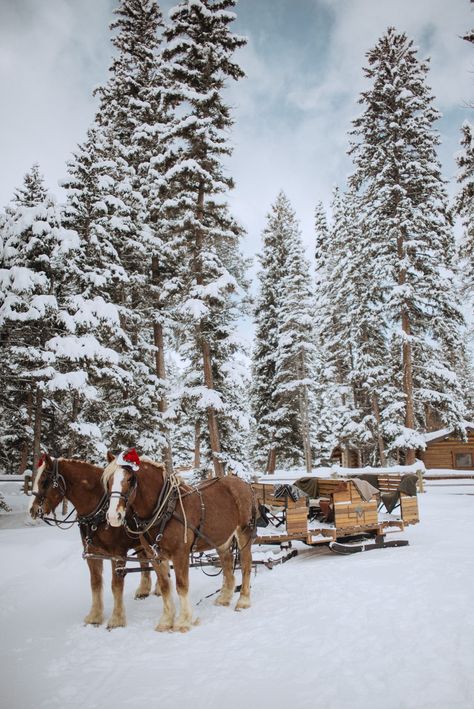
173	519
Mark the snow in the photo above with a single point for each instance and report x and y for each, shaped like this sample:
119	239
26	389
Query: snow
289	476
391	628
442	432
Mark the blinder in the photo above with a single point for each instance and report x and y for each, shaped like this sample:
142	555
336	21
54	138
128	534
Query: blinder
51	478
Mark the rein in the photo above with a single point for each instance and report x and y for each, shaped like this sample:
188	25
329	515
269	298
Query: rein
163	510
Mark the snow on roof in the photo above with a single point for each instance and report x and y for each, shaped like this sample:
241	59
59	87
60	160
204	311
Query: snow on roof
443	432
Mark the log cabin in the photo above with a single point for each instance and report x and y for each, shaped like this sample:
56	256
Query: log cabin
445	450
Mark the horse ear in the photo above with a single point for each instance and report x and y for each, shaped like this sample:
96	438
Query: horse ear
45	458
110	456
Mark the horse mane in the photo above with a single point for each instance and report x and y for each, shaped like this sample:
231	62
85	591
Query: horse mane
109	470
77	461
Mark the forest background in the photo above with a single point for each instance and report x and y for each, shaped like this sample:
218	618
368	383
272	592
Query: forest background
291	126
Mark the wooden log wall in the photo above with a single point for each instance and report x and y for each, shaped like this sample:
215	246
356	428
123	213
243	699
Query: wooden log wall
441	454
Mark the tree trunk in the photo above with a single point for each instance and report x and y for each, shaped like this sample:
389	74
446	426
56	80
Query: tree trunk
211	414
74	413
162	403
25	448
205	348
380	441
271	463
407	358
37	431
304	415
160	368
197	445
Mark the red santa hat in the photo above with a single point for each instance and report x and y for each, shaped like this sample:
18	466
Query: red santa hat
128	459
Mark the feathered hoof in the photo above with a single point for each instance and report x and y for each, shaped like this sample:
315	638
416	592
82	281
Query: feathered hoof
182	627
164	627
224	601
242	603
116	623
95	620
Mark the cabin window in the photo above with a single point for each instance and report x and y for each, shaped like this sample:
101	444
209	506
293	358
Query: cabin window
463	460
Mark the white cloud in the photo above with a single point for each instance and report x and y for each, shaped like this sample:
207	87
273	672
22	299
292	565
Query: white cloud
292	111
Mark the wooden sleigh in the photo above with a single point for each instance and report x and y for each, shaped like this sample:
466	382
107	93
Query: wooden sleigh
339	517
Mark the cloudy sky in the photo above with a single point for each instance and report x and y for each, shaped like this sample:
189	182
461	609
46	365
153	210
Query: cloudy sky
303	62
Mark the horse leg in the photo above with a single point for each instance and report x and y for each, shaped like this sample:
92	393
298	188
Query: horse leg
181	570
166	570
167	616
244	538
144	589
96	613
117	619
227	563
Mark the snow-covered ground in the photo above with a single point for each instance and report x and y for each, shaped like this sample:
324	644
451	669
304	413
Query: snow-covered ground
390	629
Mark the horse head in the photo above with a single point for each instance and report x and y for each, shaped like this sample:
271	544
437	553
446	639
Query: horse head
49	487
120	482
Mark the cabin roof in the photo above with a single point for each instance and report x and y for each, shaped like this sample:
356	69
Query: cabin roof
445	432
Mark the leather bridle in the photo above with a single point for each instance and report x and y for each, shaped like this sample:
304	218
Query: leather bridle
126	496
51	478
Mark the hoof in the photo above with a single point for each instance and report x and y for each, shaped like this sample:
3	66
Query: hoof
242	603
93	620
115	624
141	596
164	627
182	628
222	601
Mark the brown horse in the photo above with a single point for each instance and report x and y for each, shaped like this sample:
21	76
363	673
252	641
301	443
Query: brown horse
81	484
176	519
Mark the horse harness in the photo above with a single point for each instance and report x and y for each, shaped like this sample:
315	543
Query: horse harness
87	523
165	510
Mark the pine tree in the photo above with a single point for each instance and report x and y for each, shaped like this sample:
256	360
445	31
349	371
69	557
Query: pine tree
112	205
284	353
408	234
91	350
35	248
464	207
198	63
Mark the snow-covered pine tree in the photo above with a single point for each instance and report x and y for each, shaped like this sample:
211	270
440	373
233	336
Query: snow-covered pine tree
284	351
35	248
322	419
464	207
130	120
336	405
408	234
90	352
198	62
360	339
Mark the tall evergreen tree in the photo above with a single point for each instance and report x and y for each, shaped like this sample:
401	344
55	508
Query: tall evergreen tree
284	353
95	345
35	248
198	63
112	205
408	233
464	207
